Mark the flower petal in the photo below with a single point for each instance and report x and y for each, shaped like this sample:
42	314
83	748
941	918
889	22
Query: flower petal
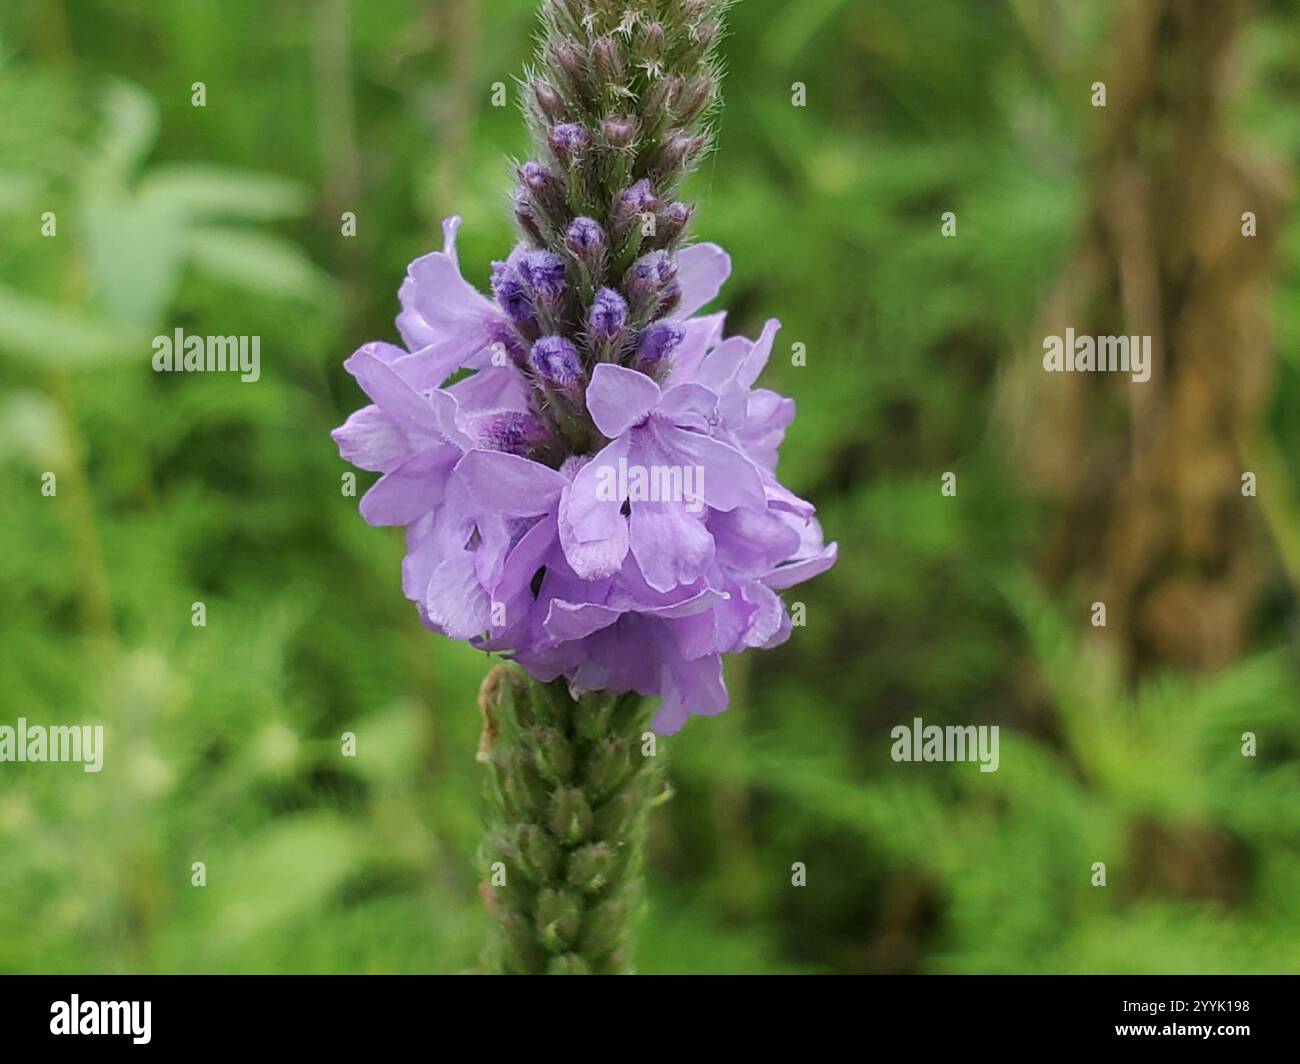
618	398
724	478
702	270
510	484
671	546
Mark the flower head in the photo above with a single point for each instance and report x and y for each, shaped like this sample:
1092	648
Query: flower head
584	465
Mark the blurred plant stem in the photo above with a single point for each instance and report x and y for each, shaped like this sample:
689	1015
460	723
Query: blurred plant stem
569	791
94	598
462	19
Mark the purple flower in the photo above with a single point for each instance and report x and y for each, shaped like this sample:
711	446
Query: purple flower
634	568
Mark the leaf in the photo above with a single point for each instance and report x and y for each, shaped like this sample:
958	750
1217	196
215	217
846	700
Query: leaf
131	126
256	262
48	335
203	192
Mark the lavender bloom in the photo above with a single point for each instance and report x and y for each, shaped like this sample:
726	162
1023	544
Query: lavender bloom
606	513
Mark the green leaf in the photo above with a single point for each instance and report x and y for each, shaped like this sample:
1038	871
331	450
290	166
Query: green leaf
256	262
48	335
203	192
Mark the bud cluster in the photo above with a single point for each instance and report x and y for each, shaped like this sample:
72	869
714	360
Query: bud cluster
619	102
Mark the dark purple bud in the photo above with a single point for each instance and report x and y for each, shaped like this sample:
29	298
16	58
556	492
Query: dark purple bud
610	59
542	273
512	431
639	198
647	280
537	177
585	238
696	97
548	100
660	98
619	131
556	362
569	141
679	151
672	221
569	57
512	296
608	316
655	347
652	41
527	217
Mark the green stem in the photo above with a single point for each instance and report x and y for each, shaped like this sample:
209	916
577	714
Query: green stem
569	792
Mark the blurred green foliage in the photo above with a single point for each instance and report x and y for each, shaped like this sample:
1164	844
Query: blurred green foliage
224	740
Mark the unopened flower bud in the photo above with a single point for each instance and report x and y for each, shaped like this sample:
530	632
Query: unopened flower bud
695	98
652	41
661	96
569	142
655	346
545	194
678	152
610	60
555	361
586	241
542	273
608	316
670	299
571	60
512	296
671	222
549	102
619	131
527	217
502	336
630	205
646	281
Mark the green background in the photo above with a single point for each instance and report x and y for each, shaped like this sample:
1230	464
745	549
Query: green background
224	740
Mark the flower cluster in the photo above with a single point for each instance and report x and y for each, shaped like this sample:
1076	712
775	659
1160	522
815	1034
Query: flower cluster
583	464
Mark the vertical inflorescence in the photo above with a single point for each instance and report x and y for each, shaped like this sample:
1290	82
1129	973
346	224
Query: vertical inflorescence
569	791
619	103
